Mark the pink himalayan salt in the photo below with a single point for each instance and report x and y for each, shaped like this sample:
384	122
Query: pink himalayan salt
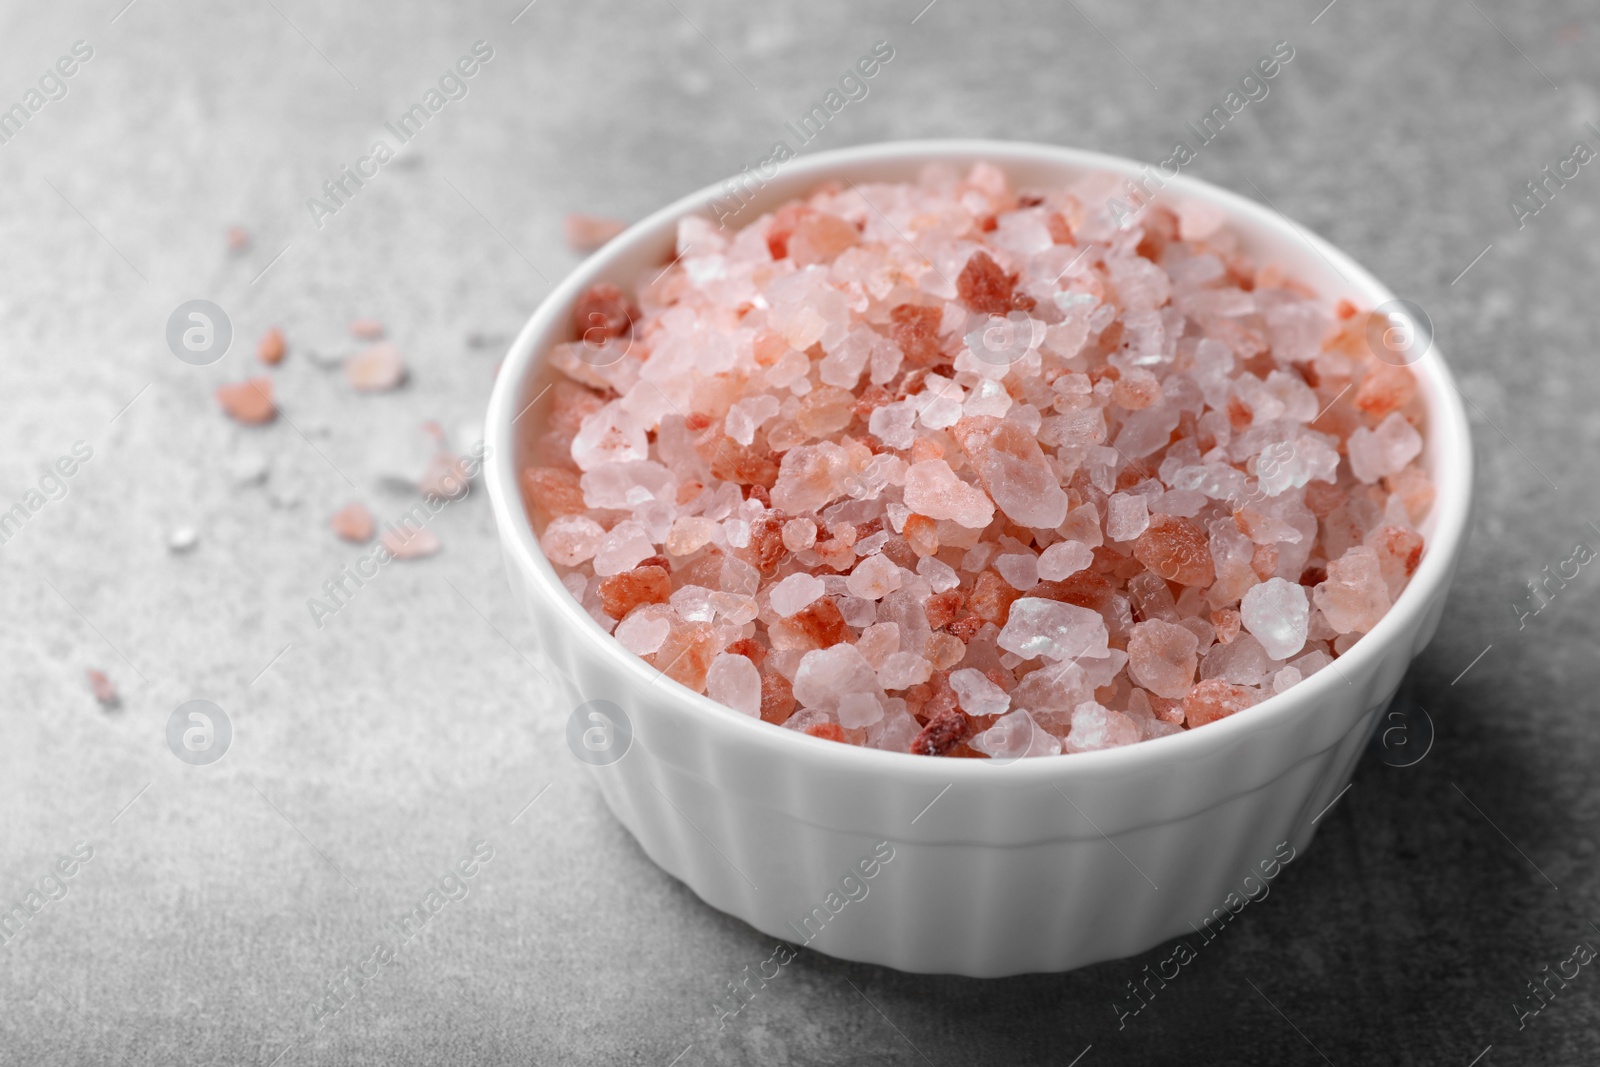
572	539
354	523
376	369
874	578
1162	657
932	489
965	476
1355	595
410	542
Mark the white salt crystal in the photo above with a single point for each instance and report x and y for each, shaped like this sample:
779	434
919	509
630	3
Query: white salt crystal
1127	516
893	424
622	549
988	397
1289	676
859	709
610	435
1019	569
746	416
693	603
796	592
940	575
1039	627
827	674
1276	612
733	680
799	534
1015	735
1375	453
858	612
1095	727
901	670
623	486
643	631
1063	559
977	694
875	577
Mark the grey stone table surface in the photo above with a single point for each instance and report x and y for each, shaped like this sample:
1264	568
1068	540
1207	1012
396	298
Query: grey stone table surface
218	904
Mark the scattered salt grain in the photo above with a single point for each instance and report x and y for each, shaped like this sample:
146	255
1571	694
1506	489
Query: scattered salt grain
354	523
376	369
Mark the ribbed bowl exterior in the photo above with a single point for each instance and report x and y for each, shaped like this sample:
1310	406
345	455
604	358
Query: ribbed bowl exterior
976	868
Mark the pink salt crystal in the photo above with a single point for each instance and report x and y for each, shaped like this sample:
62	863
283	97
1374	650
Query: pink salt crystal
827	674
1015	735
571	539
932	489
622	549
1011	465
376	369
1019	569
810	476
1095	727
1062	559
1375	453
977	694
104	691
410	542
877	642
248	401
734	681
353	523
1162	657
795	592
901	670
1136	389
799	534
1127	516
366	329
1355	595
1276	613
689	533
585	233
875	578
1214	699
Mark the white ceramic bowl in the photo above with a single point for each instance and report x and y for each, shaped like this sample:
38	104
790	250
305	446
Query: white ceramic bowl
1040	865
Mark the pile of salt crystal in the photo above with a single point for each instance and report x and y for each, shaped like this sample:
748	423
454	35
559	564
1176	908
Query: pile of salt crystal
953	468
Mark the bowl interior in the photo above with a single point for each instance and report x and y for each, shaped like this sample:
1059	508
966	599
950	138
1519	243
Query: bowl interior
520	396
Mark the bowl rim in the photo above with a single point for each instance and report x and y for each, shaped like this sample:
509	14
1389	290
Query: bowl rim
1448	439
